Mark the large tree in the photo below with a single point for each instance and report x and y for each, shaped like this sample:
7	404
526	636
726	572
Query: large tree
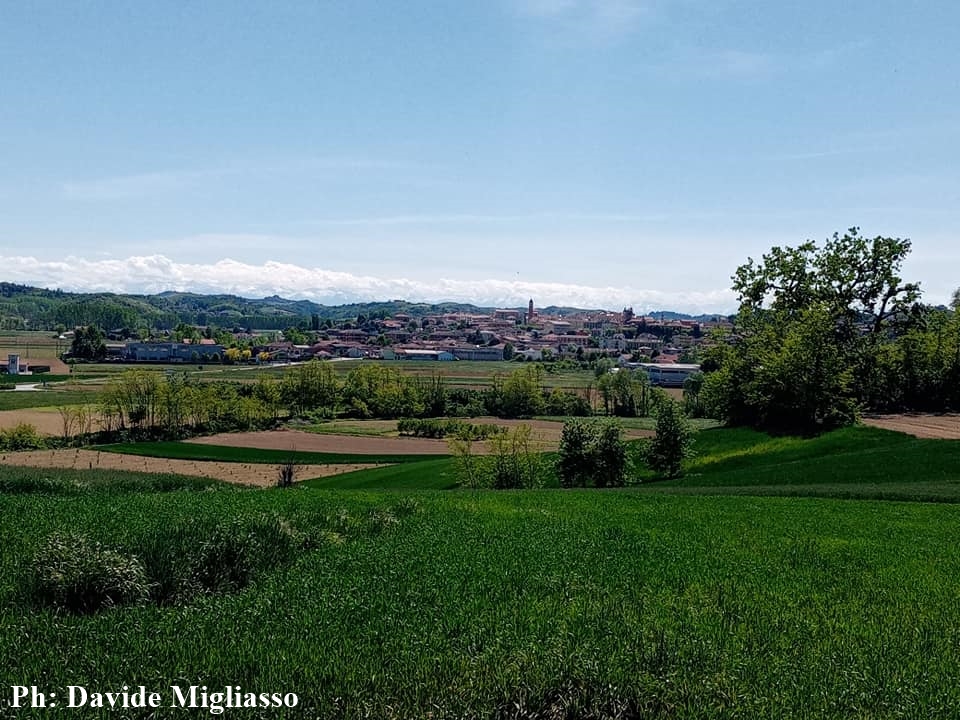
812	325
88	343
855	278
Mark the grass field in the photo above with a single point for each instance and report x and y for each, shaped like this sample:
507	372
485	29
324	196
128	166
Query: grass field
859	462
505	605
50	398
382	594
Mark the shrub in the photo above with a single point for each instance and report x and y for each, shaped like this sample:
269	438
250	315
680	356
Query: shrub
592	451
665	452
71	572
406	507
22	436
380	520
440	428
234	553
512	462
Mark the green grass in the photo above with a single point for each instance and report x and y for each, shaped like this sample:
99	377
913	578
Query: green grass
49	378
361	428
517	604
851	455
53	398
224	453
424	475
859	462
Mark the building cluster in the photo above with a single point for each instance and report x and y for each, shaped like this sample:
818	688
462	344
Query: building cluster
502	334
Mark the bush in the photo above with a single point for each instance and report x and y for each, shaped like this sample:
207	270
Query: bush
441	428
665	452
512	461
234	553
73	573
592	451
22	436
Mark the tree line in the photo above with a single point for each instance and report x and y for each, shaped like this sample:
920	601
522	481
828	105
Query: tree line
147	403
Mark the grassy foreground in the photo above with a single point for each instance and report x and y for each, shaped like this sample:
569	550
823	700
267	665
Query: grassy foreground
505	605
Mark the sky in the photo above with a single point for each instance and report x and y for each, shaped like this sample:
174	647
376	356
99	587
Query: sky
595	153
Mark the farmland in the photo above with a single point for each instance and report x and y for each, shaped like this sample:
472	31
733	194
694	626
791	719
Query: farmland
775	579
473	604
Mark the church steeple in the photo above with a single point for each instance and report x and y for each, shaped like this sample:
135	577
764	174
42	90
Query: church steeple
530	311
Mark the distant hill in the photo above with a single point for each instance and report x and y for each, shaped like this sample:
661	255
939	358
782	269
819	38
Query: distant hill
42	308
23	306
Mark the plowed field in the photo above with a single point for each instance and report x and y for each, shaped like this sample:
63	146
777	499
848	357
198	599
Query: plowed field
919	425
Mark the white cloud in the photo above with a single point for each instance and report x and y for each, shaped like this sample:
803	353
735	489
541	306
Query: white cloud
156	273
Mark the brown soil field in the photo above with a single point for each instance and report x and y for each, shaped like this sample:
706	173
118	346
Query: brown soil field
47	422
260	475
312	442
545	432
919	425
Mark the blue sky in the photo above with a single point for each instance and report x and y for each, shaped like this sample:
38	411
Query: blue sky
593	152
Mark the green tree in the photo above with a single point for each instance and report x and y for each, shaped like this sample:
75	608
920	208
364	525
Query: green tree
522	392
672	443
625	393
592	452
310	386
88	343
811	331
376	390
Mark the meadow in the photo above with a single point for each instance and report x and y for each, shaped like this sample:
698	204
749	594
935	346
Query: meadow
507	605
390	593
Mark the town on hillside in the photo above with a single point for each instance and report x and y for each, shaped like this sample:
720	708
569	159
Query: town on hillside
503	334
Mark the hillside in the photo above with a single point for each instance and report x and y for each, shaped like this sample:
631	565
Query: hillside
23	306
27	307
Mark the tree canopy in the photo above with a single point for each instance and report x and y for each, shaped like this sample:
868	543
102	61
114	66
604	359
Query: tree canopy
819	335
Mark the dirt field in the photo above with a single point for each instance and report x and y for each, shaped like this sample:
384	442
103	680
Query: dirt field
546	434
260	475
47	421
311	442
919	425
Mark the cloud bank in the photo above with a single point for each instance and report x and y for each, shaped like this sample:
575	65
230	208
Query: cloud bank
157	273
